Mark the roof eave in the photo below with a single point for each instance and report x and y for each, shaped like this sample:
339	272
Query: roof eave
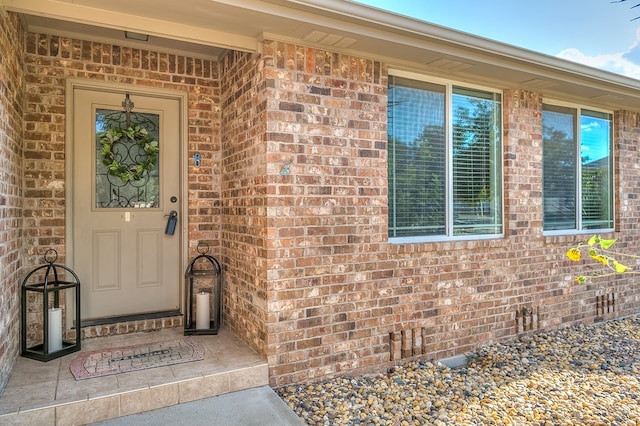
348	27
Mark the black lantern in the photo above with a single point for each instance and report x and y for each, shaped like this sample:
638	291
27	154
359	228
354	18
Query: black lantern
203	293
50	299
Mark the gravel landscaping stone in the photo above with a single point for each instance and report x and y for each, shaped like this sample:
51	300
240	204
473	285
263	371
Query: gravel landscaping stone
580	375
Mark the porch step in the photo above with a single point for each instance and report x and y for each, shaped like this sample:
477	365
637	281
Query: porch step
48	394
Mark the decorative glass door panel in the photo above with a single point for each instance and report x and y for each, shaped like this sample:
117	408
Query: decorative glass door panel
127	169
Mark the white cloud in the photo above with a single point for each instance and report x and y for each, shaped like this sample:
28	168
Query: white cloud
591	126
620	63
614	62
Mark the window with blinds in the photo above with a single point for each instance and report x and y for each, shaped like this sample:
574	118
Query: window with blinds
477	183
444	161
577	169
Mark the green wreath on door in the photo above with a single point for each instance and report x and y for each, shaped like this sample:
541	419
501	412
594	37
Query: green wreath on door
131	135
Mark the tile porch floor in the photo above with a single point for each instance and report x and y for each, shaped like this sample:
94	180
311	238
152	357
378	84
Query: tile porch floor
46	393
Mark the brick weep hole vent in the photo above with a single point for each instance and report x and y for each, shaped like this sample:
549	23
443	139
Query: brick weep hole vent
606	305
413	341
408	343
527	319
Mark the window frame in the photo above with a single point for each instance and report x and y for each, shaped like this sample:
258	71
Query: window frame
449	187
579	229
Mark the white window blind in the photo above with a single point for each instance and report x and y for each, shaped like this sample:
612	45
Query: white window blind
596	170
577	169
559	167
476	181
444	160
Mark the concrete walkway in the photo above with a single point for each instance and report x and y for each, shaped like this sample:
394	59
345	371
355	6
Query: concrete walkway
253	407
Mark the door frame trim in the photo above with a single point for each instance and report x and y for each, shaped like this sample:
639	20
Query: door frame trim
182	97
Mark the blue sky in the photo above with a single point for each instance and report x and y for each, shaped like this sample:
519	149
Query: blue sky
597	33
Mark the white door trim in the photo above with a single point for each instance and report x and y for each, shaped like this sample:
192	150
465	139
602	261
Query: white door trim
182	97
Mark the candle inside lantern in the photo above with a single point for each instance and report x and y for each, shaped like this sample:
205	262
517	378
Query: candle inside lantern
55	329
202	311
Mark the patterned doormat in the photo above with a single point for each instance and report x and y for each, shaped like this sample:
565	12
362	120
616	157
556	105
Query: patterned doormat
133	358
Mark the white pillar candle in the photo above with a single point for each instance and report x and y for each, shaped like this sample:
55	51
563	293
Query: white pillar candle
55	329
202	311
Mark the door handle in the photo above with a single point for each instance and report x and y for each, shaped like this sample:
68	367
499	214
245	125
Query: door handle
171	223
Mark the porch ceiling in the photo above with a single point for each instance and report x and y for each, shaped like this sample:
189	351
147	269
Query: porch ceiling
210	27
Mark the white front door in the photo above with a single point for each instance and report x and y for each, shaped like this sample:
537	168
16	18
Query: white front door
126	261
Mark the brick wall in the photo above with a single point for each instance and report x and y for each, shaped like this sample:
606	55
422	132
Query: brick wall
340	298
11	103
627	206
331	287
244	195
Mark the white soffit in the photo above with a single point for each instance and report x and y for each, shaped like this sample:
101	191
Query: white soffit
212	26
162	19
